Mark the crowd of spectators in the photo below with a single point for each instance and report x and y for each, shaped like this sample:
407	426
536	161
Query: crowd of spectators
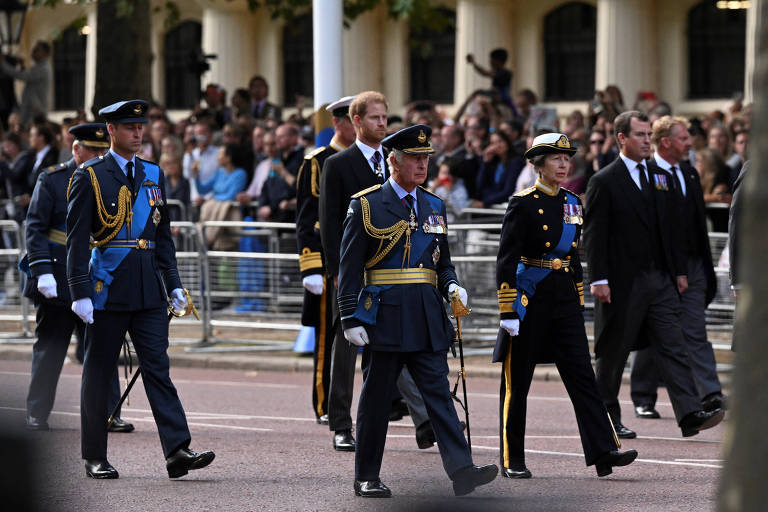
240	158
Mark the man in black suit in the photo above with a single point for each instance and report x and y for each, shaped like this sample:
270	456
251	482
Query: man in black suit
358	167
672	142
261	109
637	274
23	175
125	284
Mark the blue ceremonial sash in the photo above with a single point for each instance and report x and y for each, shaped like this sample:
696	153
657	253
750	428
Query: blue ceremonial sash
104	261
419	243
529	277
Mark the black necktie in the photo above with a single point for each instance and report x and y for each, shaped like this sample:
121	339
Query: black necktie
676	187
129	173
645	188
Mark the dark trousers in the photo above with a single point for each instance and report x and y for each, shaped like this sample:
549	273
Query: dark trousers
701	356
149	333
342	382
430	373
653	306
324	334
558	330
55	324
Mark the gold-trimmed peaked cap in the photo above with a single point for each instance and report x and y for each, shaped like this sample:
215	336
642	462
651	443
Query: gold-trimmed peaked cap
93	135
550	143
129	111
413	140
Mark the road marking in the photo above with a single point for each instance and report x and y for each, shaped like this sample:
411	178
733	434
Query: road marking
699	460
186	381
552	398
581	455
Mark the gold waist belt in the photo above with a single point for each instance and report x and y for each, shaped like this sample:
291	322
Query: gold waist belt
57	236
388	276
555	264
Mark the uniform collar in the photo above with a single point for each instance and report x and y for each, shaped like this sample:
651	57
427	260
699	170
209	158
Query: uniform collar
400	191
543	187
335	144
122	161
368	151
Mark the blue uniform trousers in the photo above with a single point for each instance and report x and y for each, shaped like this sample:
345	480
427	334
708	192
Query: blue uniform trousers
149	333
430	373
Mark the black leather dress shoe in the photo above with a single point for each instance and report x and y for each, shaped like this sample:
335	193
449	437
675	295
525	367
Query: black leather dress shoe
36	424
612	459
523	472
118	425
322	420
184	459
693	422
467	479
623	432
425	436
713	401
343	441
647	412
372	489
100	468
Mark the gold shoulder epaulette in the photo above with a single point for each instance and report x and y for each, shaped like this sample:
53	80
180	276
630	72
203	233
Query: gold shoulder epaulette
430	192
56	168
312	154
366	191
524	192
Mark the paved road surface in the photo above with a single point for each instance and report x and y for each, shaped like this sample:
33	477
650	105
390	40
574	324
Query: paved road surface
271	455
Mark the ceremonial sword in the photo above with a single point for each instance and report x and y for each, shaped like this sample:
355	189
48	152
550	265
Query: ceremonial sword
458	310
171	313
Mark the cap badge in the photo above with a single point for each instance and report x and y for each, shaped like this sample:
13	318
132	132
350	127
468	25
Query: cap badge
422	138
99	133
137	110
562	142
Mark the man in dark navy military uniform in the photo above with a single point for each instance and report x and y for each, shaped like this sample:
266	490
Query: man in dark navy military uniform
395	270
46	283
123	285
318	295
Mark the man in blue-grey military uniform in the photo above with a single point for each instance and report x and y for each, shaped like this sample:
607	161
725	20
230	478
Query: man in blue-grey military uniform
123	285
395	270
45	266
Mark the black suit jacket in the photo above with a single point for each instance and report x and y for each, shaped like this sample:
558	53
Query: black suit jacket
692	209
734	219
619	245
144	278
344	174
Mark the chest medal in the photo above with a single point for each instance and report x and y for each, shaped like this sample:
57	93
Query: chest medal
156	217
573	214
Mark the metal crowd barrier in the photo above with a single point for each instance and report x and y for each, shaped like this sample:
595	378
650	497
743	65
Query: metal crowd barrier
249	291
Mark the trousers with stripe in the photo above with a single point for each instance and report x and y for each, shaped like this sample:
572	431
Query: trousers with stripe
324	334
553	331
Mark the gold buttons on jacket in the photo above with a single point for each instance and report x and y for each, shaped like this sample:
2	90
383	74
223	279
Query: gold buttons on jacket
547	244
573	244
545	227
541	212
536	196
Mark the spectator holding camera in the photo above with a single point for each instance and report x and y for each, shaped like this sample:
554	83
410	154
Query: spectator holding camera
498	172
34	98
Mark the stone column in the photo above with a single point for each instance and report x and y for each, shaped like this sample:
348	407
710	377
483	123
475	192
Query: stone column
626	46
750	53
327	29
363	53
90	59
481	26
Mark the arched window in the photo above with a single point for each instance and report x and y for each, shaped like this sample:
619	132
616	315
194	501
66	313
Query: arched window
69	70
716	49
432	55
182	81
570	32
297	59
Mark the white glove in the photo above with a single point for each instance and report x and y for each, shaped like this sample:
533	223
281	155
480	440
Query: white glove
356	336
512	326
179	300
462	292
46	284
84	309
313	283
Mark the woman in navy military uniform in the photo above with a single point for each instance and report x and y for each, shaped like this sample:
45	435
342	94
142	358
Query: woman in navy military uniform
541	299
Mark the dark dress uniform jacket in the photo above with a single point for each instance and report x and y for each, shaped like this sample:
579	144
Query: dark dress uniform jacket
410	317
308	226
344	174
618	236
144	278
46	249
532	228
